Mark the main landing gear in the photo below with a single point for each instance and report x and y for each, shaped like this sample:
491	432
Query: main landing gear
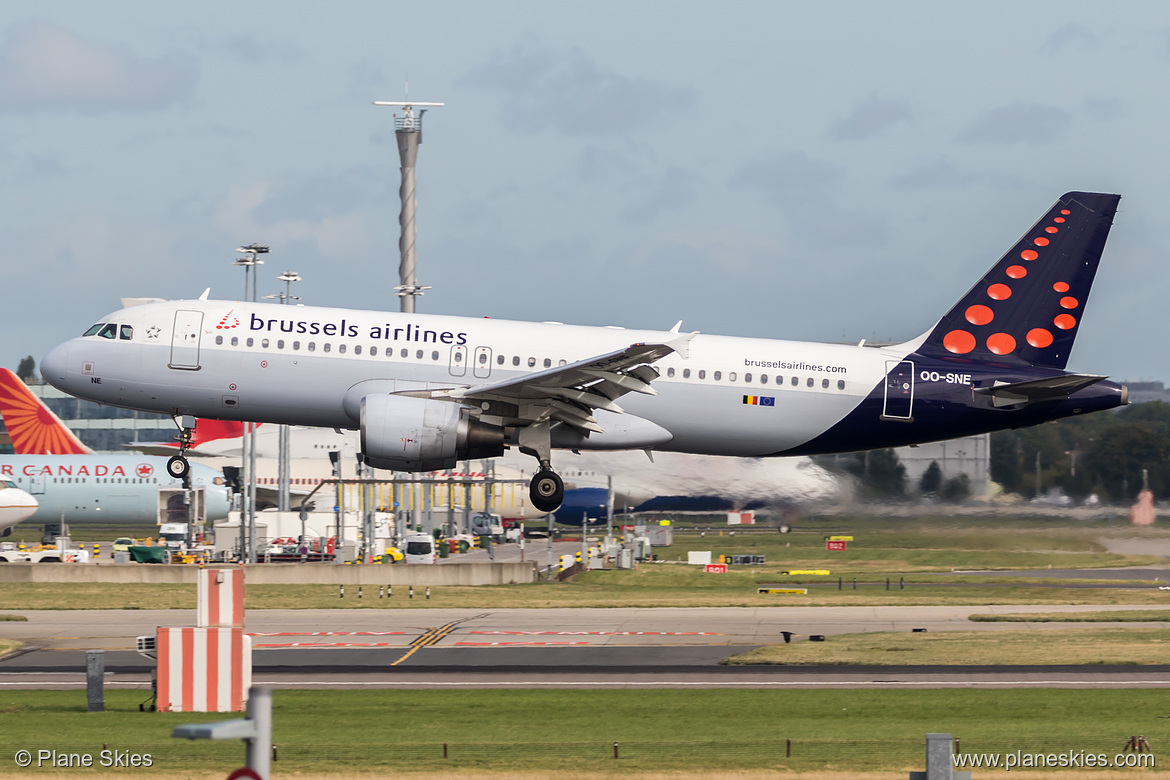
546	490
177	466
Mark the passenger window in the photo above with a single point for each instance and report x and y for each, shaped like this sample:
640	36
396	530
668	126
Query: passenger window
779	380
686	373
235	341
219	339
373	351
515	360
531	362
435	355
670	371
93	329
483	358
747	377
127	333
824	383
548	362
499	360
357	350
702	374
280	343
296	345
312	346
326	346
795	381
810	382
458	356
418	354
264	344
109	331
405	353
341	349
249	342
718	375
840	384
763	379
731	377
562	362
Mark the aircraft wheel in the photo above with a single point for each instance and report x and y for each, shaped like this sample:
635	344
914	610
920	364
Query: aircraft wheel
178	467
547	491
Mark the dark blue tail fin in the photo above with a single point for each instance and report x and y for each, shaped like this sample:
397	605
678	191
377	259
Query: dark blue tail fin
1028	307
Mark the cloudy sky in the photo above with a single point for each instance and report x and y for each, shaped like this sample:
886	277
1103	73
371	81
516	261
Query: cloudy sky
819	171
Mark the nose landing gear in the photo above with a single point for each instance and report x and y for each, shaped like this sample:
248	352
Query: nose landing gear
177	466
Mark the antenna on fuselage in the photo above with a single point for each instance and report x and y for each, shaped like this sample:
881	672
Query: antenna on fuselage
408	131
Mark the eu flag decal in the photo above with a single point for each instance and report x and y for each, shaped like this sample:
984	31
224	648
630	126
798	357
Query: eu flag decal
759	400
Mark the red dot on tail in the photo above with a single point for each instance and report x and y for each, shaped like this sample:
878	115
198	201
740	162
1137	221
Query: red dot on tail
1065	321
1066	212
1060	287
1017	271
1038	337
979	314
959	341
999	292
1068	302
1041	241
1001	343
1029	254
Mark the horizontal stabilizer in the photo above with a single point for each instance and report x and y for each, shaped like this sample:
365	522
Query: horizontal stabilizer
1038	389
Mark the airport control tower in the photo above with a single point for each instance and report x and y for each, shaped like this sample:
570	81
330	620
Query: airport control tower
408	130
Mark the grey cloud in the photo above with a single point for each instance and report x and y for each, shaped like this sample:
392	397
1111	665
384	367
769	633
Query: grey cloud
1027	123
1102	109
325	194
564	90
44	67
800	187
1072	35
254	48
939	173
869	118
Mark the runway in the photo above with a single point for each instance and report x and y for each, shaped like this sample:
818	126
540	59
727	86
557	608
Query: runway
600	648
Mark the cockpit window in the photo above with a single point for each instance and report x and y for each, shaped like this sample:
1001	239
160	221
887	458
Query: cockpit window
4	483
127	333
109	331
93	329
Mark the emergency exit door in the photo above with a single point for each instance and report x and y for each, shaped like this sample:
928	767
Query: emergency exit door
898	403
185	340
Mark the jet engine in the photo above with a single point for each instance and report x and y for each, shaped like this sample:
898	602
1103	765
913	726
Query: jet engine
403	433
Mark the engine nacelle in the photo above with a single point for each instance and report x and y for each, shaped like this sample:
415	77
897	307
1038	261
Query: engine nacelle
403	433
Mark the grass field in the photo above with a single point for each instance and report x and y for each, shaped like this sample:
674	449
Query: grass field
1129	616
973	648
544	732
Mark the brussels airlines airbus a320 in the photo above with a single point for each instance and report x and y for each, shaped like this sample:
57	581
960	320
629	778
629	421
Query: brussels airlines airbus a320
426	391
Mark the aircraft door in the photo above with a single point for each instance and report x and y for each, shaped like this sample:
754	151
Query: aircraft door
458	365
36	484
898	403
483	362
185	340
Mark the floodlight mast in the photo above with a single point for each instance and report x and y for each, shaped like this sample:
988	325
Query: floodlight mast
408	131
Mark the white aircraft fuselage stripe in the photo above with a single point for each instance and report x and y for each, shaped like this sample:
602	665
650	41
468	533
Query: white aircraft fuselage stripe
299	386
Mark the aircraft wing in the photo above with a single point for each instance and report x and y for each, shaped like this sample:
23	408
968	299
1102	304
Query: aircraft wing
571	392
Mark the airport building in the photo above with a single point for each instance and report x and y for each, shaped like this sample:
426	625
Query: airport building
970	455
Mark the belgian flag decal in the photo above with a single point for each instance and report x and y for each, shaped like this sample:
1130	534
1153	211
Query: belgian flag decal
759	400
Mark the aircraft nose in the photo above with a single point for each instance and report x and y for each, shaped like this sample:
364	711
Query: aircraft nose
55	365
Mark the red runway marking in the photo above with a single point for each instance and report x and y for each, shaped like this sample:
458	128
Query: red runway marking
328	633
514	643
329	644
600	633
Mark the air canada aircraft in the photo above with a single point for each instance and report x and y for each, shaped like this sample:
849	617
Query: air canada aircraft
426	391
69	482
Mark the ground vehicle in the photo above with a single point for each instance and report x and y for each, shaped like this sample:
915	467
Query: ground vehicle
174	535
487	524
122	544
420	548
12	553
392	555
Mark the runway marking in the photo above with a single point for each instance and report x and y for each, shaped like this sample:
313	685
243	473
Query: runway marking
601	633
328	633
436	635
481	644
325	644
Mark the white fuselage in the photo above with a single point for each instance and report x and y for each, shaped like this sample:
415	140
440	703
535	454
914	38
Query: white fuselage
303	366
16	505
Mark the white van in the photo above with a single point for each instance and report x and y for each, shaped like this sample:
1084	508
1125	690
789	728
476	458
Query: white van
420	548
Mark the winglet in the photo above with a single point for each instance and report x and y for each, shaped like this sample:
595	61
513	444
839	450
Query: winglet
206	292
677	325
